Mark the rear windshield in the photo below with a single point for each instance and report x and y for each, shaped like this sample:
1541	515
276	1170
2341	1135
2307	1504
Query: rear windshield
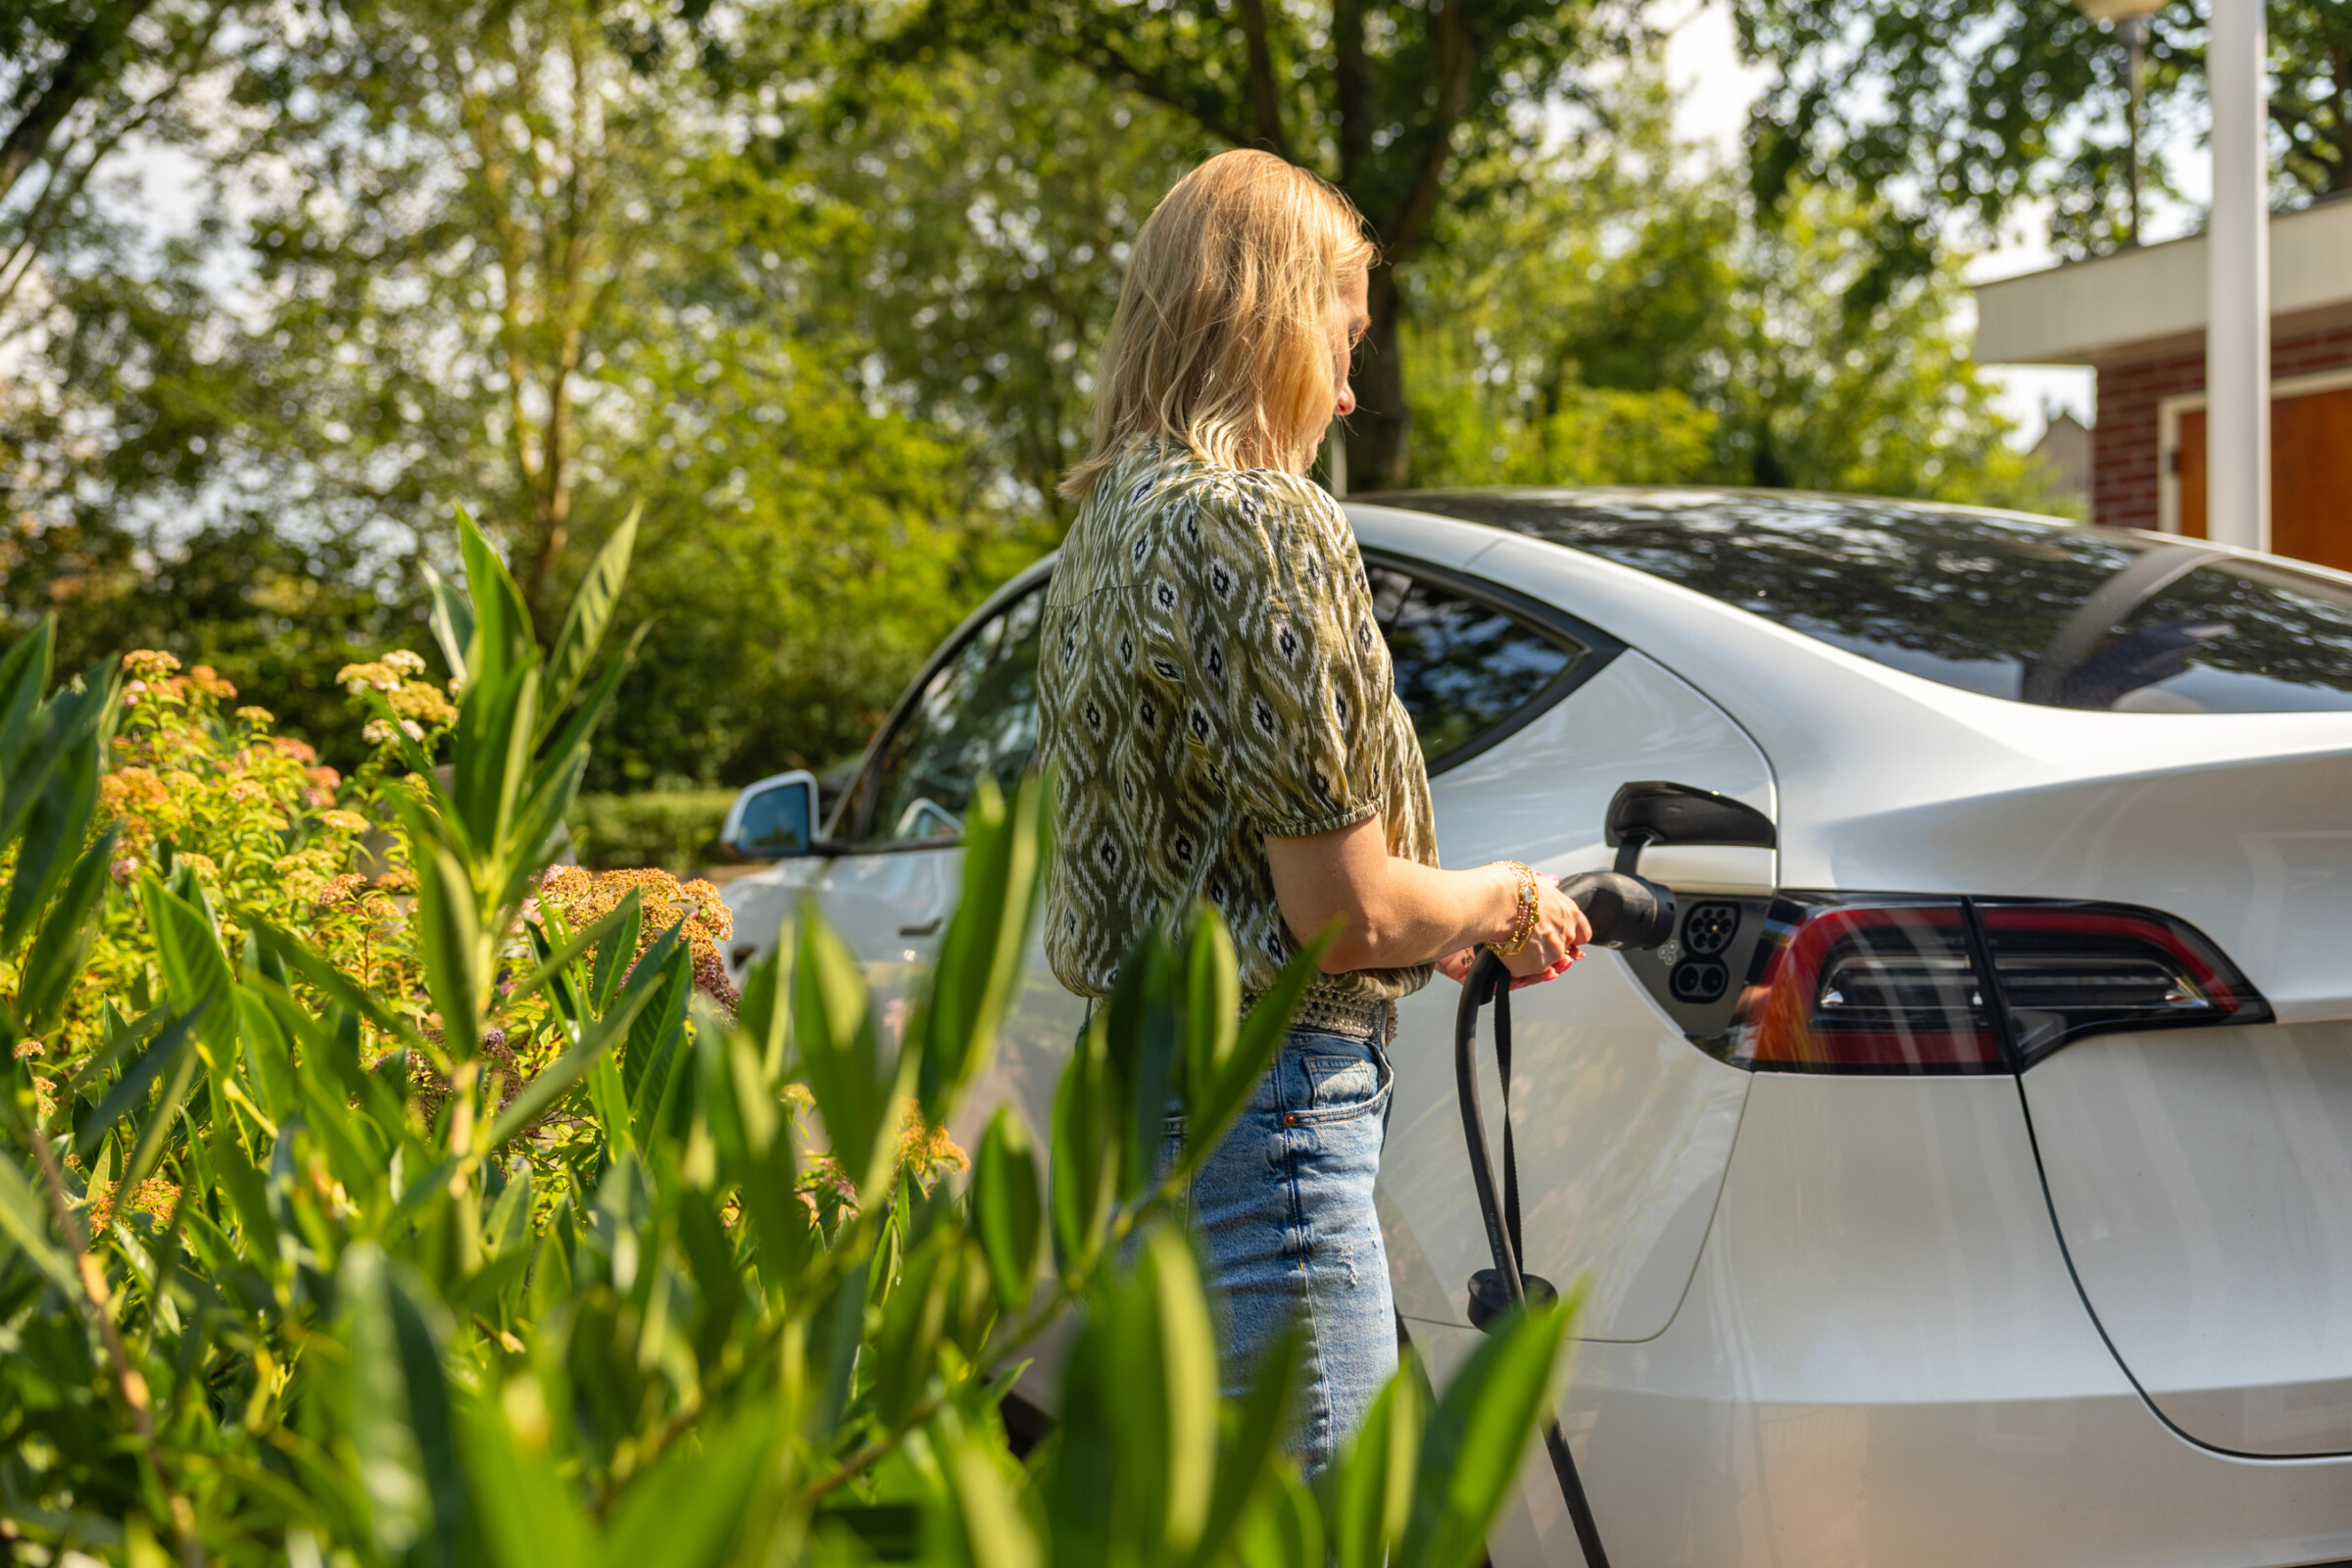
2039	613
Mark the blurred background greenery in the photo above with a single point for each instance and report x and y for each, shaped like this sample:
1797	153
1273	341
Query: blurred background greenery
820	282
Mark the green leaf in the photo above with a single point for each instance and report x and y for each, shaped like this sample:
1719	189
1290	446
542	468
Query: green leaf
914	1319
1210	1108
1251	1452
855	1094
1481	1433
1282	1527
24	674
763	1007
26	1219
590	613
186	949
1369	1489
456	956
985	1502
451	619
597	1038
1087	1133
396	1406
685	1510
554	961
129	1091
59	731
529	1513
490	756
54	829
980	958
1188	1377
501	641
235	1178
1006	1210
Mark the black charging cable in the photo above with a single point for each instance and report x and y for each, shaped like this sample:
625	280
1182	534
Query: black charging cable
1625	911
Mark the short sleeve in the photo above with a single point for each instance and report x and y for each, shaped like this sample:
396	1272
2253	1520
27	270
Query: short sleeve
1298	661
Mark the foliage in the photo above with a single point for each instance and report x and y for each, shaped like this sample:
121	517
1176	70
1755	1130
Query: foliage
1630	320
407	1293
677	830
1390	100
1979	106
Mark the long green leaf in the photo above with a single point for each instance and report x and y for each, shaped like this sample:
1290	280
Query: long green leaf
1006	1210
451	619
186	947
980	957
833	1025
502	640
24	1217
1481	1433
131	1091
1369	1489
555	960
456	955
62	945
529	1513
683	1511
54	830
24	674
598	1038
590	613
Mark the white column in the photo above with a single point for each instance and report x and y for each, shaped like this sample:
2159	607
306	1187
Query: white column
2237	251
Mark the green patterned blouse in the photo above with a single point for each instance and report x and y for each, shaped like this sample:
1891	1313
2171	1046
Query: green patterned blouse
1211	674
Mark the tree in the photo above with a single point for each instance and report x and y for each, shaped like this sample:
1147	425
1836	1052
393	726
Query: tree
1972	107
77	77
1392	100
524	260
1624	315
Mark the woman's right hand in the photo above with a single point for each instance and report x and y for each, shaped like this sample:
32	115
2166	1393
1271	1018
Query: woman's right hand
1558	938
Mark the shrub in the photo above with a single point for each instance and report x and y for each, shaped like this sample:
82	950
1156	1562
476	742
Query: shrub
674	830
529	1264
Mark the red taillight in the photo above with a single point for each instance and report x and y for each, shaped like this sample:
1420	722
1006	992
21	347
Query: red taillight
1897	985
2072	970
1884	987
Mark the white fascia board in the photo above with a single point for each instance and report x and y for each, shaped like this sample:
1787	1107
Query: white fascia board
2125	305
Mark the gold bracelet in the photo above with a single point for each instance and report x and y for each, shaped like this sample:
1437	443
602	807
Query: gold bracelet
1522	923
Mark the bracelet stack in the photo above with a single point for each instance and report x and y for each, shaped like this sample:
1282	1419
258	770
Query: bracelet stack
1523	925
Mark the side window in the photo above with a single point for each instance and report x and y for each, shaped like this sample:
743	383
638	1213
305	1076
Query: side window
1464	667
977	715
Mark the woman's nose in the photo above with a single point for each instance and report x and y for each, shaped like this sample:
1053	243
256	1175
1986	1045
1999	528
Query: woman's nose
1347	401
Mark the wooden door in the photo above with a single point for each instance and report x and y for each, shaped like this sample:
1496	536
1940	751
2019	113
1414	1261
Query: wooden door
2310	476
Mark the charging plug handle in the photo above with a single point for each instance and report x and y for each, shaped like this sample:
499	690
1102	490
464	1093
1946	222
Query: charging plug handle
1626	911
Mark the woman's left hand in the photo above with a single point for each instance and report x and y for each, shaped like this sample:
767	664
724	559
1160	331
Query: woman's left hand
1455	967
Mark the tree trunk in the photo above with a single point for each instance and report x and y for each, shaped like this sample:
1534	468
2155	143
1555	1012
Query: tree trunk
1379	434
86	62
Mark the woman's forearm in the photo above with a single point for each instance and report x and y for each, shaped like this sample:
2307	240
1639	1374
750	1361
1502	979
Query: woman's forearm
1398	912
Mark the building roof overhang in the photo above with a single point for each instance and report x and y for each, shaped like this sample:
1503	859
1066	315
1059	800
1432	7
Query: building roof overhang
2149	302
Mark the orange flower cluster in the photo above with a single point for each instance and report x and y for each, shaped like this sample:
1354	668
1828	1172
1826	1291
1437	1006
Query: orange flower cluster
418	704
582	898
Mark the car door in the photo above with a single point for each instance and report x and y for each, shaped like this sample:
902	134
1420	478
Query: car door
1530	720
895	857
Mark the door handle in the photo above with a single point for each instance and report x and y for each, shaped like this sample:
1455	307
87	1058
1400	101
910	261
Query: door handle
924	930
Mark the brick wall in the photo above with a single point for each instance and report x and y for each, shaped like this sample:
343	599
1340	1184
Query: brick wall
2124	454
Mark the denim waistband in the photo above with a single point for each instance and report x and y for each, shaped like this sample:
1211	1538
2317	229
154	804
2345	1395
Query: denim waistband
1336	1015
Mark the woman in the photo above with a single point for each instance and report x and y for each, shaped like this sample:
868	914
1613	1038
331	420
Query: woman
1219	716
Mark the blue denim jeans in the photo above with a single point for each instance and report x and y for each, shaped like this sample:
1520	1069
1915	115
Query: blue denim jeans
1284	1217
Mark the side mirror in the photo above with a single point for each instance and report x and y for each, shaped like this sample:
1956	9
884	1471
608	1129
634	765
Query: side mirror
1660	812
774	819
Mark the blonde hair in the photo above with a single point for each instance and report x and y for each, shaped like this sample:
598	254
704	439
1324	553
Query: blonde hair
1221	337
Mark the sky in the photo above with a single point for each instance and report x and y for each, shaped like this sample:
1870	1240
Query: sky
1702	63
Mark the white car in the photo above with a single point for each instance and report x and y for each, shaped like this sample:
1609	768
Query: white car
1970	1179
